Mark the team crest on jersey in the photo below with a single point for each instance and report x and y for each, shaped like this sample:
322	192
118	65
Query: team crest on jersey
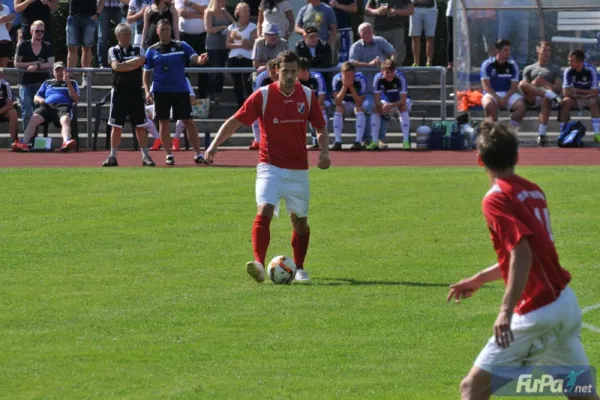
507	71
172	49
493	72
584	78
301	107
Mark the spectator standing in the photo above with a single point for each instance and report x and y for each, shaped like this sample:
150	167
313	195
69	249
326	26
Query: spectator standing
192	30
15	30
159	10
423	20
320	15
217	20
111	12
82	24
135	17
240	42
345	37
389	19
267	48
278	12
37	57
36	10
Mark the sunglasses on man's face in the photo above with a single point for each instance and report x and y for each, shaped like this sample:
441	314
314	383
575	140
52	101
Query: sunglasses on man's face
38	31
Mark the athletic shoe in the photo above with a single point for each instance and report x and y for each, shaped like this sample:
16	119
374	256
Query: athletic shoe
156	145
356	146
373	146
68	145
597	137
148	162
314	146
542	141
337	146
176	144
406	145
19	147
170	160
256	270
301	275
110	162
254	145
198	159
382	145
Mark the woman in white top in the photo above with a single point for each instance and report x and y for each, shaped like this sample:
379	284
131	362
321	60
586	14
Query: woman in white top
278	12
6	47
240	41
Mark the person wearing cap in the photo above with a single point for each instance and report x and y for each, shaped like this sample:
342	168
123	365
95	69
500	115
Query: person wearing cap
315	50
37	57
267	48
56	98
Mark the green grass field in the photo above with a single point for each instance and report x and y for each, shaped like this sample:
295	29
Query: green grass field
130	283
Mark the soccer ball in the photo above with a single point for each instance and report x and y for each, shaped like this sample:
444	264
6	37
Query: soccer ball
281	269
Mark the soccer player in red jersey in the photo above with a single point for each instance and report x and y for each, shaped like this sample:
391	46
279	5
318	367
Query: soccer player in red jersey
282	108
539	321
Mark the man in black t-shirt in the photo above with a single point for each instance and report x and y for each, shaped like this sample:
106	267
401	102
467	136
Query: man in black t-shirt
7	109
36	10
37	57
127	96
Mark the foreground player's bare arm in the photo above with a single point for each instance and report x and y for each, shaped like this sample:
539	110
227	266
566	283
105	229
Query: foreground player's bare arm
466	287
227	130
323	139
147	84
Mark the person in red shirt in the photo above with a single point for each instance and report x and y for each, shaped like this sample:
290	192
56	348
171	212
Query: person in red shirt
283	109
539	321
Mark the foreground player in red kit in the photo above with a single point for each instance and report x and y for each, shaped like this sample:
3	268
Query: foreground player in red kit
282	108
539	321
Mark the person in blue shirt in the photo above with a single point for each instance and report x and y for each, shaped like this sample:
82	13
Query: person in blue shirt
390	94
580	86
349	93
500	81
166	86
56	98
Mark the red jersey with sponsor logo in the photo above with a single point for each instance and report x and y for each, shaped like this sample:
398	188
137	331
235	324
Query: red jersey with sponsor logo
516	209
283	124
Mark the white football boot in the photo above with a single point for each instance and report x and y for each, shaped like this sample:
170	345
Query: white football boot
256	270
301	276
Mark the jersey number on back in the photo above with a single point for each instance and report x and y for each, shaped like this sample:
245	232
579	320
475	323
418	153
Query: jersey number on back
543	216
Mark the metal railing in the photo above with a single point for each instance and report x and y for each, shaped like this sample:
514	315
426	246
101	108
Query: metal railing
90	72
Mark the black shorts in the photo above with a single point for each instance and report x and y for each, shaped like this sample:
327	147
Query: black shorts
125	103
53	113
179	101
6	49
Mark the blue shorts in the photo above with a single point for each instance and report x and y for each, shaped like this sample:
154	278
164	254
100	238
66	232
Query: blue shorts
81	31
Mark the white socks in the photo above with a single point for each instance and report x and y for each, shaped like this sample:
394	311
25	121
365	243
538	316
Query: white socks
338	123
596	125
542	129
361	121
179	128
550	95
113	152
375	126
256	131
151	128
562	125
405	123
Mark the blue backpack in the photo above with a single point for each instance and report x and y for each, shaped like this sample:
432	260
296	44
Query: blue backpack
571	135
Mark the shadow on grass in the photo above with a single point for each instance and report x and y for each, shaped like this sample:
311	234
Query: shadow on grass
349	282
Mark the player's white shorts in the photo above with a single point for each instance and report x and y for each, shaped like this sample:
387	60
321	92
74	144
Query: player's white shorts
349	107
274	183
550	335
511	101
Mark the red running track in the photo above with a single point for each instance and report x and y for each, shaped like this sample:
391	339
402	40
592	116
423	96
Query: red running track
247	158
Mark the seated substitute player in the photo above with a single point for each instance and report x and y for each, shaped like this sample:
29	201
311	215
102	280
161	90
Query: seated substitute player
179	126
390	94
56	98
315	82
265	78
7	108
500	81
283	108
541	85
349	93
539	321
580	85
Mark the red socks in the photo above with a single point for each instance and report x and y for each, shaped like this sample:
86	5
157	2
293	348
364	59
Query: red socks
261	236
300	246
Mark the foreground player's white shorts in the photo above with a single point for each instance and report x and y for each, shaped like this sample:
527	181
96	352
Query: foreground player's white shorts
511	101
550	335
274	183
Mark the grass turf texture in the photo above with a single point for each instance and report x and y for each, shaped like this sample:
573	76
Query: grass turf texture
130	283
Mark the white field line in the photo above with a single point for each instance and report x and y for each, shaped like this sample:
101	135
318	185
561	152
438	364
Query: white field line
586	325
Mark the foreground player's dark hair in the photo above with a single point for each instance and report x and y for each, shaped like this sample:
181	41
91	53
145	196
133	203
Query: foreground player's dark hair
287	57
497	145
